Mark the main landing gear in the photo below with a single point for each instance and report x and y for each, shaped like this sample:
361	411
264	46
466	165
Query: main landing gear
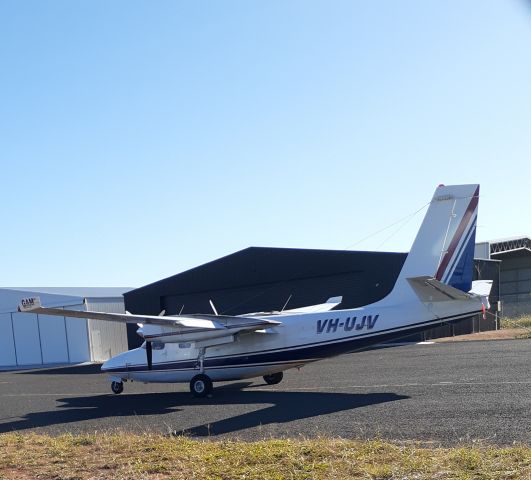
117	387
201	385
274	378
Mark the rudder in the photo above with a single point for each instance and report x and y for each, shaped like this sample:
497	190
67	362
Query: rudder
444	245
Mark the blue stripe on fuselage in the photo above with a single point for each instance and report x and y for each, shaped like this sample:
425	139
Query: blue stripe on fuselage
314	351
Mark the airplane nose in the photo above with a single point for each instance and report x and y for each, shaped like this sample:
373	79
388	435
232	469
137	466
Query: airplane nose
106	365
121	361
112	363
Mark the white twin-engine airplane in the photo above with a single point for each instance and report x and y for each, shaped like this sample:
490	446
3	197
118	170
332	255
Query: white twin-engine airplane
205	348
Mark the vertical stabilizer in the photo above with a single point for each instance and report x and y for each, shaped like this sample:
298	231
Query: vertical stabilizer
444	245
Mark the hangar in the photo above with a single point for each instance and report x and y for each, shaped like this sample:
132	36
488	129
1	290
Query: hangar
262	279
251	280
515	272
37	340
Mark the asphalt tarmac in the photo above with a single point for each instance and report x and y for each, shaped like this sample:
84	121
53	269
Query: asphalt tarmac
447	393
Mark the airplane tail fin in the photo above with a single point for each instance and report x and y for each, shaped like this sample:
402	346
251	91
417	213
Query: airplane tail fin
444	246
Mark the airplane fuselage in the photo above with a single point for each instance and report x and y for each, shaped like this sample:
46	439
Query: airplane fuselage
431	289
299	339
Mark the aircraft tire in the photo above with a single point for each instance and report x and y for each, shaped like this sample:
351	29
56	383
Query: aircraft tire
274	378
117	387
201	385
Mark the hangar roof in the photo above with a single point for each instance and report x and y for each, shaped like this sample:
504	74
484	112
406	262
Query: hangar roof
85	292
510	247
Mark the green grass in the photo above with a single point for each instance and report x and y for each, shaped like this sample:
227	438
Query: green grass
523	322
517	322
125	456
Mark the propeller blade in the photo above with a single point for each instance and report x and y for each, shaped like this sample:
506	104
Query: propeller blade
149	355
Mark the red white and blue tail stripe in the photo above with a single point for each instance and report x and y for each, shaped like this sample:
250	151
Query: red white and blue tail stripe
444	246
456	266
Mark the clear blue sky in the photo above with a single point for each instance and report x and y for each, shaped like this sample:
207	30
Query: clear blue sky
140	139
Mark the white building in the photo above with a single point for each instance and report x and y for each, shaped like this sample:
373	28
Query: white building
39	340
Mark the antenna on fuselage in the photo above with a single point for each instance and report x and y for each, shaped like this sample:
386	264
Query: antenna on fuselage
287	301
213	308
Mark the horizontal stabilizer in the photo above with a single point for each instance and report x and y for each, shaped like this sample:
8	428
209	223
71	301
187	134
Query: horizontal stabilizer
481	287
429	290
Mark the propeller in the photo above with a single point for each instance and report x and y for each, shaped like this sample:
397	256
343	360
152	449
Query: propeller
149	347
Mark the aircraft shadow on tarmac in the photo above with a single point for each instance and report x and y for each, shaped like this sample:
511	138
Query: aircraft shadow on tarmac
285	407
91	368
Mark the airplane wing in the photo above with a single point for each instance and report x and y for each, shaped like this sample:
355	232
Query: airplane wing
430	290
185	323
203	330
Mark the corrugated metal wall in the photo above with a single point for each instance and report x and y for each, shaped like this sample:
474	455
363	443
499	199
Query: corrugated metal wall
516	286
29	339
106	338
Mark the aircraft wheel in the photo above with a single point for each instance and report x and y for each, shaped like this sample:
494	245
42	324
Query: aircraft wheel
274	378
117	387
201	385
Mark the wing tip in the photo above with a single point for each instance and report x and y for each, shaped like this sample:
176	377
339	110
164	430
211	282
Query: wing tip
29	304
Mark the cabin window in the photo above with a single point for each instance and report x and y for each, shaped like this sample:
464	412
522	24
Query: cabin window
155	345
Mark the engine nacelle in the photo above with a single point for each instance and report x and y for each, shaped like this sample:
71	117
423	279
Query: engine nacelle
178	334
